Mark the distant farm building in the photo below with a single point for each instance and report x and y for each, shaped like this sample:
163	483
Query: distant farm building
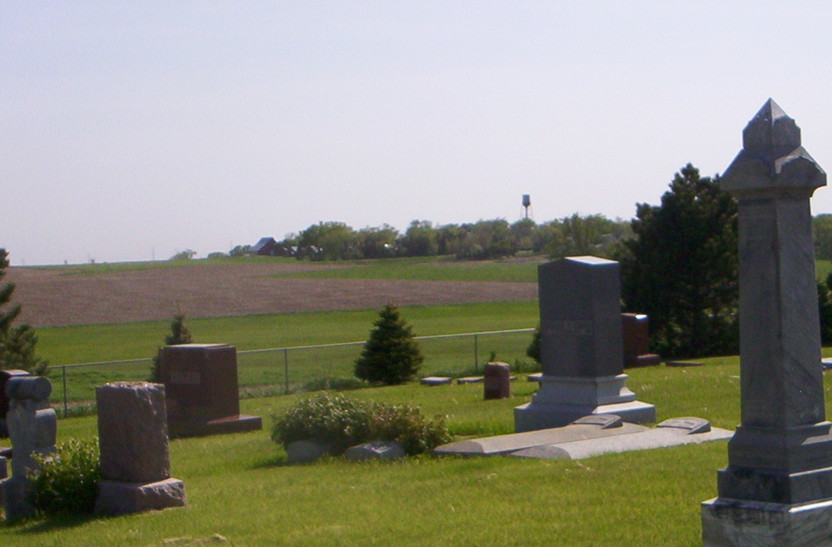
267	246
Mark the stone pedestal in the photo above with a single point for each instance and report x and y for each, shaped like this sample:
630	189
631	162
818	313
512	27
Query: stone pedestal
563	399
777	487
201	390
581	349
135	461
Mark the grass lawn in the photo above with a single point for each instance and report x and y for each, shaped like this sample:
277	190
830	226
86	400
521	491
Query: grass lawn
241	487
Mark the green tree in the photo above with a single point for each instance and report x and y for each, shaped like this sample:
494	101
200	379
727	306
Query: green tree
179	334
681	268
390	356
420	239
822	225
17	343
522	234
377	242
328	241
487	239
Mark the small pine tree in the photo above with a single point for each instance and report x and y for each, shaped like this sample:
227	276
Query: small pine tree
391	355
179	334
17	344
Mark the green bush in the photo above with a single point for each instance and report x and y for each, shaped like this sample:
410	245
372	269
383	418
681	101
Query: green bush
391	355
67	480
339	423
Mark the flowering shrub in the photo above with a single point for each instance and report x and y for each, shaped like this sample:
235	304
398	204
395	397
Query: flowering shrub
339	423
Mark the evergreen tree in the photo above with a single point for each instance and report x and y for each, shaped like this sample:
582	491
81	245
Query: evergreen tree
391	355
179	334
681	268
17	344
9	314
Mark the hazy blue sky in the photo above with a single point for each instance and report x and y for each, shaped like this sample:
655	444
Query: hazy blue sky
133	130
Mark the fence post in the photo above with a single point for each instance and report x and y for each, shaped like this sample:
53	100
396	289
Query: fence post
286	369
63	371
476	354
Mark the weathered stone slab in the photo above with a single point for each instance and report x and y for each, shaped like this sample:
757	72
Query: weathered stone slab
589	427
119	498
470	380
670	433
132	431
376	450
435	380
536	377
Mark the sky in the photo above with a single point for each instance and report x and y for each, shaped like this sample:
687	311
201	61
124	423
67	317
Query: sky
135	130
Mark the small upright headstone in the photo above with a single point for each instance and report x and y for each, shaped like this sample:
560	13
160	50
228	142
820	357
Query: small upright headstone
201	390
497	381
33	428
777	488
5	376
581	350
636	332
135	462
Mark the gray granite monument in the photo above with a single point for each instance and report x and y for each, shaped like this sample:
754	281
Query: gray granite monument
133	438
777	488
581	351
33	428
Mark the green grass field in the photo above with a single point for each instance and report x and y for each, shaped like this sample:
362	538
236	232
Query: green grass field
241	487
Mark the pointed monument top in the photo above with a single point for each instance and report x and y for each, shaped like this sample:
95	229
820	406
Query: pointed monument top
772	160
771	133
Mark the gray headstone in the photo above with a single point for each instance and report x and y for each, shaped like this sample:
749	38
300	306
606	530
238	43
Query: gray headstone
581	349
132	432
133	438
780	459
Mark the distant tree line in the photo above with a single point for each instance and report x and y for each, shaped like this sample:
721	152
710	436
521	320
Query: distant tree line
481	240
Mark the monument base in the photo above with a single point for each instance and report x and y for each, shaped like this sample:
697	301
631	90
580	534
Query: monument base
178	427
729	522
120	498
563	399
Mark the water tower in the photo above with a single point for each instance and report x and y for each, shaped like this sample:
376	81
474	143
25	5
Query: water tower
527	202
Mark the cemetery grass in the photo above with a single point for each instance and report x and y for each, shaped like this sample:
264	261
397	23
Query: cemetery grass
241	487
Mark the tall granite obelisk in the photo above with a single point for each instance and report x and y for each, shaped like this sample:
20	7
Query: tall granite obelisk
777	488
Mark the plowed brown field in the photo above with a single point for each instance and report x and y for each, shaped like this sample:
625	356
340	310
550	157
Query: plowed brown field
53	298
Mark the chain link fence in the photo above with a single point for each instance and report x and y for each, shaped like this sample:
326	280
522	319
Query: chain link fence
285	370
